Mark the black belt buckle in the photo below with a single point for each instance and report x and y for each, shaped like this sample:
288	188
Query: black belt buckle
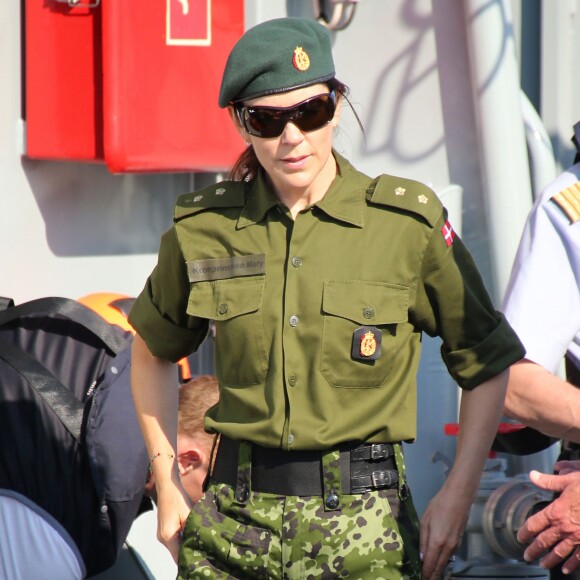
372	452
384	478
379	451
379	479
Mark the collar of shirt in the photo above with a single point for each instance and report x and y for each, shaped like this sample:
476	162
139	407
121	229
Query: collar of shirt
344	200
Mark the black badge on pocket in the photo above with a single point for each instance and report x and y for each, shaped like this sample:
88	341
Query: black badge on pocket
366	343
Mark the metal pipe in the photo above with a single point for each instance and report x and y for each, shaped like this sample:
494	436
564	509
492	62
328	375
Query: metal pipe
542	161
500	128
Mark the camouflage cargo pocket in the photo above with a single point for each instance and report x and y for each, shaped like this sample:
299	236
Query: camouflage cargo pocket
368	538
215	545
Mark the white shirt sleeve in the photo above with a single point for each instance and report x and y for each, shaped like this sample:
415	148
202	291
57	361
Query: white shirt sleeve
542	301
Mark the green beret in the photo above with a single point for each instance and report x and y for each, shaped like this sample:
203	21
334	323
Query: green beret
277	56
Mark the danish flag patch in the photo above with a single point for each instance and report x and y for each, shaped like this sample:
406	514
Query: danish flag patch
448	233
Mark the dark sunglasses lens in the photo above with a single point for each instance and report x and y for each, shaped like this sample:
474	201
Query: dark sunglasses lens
266	122
308	116
315	114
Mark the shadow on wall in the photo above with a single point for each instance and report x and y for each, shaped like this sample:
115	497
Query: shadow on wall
87	211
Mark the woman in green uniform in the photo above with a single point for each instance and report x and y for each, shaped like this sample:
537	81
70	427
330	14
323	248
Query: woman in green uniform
320	281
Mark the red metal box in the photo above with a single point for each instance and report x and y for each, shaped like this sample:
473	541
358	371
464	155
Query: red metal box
134	84
63	81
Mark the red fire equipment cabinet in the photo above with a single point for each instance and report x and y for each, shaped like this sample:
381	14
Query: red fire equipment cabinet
129	83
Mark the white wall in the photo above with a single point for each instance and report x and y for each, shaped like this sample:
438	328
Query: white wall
69	229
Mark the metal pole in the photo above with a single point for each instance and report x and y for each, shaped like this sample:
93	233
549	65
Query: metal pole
500	127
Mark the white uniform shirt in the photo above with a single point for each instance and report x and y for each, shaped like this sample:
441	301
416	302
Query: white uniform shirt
33	545
542	301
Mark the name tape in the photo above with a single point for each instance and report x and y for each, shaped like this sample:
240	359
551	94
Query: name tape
223	268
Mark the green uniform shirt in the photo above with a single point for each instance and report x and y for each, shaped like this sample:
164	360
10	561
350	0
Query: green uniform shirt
287	298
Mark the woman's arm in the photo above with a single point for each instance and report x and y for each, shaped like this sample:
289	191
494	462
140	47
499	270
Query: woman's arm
444	519
155	392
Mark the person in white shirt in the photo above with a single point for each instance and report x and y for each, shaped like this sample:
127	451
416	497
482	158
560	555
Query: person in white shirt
542	303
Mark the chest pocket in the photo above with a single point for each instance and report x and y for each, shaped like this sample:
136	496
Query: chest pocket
346	306
235	305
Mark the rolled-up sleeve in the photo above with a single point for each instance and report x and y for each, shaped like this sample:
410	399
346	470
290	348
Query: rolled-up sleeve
472	366
159	312
453	303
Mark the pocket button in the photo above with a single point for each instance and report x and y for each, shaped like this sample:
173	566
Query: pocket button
368	312
332	501
243	494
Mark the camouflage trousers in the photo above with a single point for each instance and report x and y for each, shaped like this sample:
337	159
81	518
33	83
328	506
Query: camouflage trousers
370	535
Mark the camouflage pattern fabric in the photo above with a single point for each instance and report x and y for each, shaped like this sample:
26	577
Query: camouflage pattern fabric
372	535
331	480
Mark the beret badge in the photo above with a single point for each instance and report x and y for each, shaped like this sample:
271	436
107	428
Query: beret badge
300	59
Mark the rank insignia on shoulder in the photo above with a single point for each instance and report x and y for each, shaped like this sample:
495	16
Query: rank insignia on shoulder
448	233
568	200
366	343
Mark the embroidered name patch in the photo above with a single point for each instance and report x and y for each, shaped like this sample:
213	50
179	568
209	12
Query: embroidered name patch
366	343
222	268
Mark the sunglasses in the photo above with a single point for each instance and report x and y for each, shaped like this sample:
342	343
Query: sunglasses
309	115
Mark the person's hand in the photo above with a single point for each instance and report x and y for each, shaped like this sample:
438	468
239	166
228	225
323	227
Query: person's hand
173	507
556	528
565	467
442	527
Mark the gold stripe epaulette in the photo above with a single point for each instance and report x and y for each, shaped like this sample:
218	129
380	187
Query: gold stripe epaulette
568	200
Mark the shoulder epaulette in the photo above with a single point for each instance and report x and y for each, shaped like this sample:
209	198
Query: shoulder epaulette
407	195
223	194
568	200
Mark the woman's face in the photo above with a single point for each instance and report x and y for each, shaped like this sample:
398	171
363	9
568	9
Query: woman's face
299	163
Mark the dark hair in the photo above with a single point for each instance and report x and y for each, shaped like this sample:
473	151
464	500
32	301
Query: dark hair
247	165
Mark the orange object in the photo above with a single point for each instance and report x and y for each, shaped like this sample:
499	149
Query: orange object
109	306
114	308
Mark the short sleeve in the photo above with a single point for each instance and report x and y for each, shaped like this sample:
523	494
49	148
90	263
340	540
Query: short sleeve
159	313
453	303
542	301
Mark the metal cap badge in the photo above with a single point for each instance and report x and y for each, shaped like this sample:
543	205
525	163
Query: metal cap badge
300	59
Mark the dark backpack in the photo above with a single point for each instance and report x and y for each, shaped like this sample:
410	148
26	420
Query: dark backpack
71	442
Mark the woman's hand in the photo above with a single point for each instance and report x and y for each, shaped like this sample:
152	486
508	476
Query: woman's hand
173	507
442	527
444	520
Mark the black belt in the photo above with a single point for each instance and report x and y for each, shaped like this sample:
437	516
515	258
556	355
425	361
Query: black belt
363	467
